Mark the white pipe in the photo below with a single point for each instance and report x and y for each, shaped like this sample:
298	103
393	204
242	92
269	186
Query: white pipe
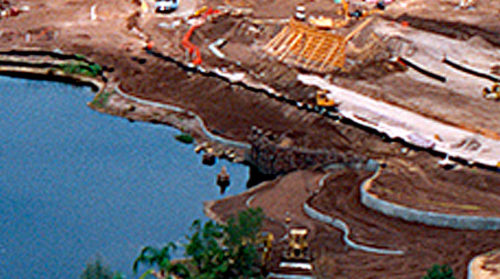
93	15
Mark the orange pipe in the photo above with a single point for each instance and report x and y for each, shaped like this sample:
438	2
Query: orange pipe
192	47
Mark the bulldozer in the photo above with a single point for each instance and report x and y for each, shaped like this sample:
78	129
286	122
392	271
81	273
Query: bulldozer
296	261
493	93
297	245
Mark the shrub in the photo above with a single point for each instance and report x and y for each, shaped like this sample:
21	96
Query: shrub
439	272
185	138
101	99
82	68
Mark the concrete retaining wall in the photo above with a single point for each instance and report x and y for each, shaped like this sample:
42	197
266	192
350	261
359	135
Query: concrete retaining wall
463	222
341	225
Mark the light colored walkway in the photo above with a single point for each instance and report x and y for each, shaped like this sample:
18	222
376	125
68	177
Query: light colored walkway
409	126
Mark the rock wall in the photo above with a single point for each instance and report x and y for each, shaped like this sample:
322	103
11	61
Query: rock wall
272	156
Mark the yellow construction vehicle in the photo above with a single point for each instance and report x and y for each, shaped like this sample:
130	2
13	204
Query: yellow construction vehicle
297	245
322	99
265	243
345	9
493	93
200	11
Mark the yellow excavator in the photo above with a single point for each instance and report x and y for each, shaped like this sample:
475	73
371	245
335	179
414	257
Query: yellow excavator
493	93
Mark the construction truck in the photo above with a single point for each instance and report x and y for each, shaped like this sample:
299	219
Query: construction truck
493	93
322	99
166	6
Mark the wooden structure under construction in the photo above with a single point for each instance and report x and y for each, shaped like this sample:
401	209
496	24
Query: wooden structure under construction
310	48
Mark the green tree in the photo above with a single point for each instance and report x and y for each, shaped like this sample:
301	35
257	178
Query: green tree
97	270
206	255
159	258
241	235
439	272
213	251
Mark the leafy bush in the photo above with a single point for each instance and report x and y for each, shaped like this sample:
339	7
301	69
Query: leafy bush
439	272
82	68
185	138
101	99
213	251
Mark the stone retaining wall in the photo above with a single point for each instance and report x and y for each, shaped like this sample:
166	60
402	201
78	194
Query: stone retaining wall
271	158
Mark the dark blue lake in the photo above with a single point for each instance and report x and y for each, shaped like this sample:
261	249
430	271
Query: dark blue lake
76	184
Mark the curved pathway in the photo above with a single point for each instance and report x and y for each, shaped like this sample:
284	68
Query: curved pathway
417	130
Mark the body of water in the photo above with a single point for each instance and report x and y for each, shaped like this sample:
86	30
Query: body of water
76	184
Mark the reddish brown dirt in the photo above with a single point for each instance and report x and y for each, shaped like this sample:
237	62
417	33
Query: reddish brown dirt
232	110
459	23
379	78
460	191
423	245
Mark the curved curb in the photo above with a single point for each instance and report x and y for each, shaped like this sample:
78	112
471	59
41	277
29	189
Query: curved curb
341	225
213	137
462	222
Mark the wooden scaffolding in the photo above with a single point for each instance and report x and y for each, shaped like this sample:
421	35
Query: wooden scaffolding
309	48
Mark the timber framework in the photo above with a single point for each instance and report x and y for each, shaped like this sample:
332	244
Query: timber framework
306	47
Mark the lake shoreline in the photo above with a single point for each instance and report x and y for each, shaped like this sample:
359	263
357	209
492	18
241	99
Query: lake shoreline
92	181
117	102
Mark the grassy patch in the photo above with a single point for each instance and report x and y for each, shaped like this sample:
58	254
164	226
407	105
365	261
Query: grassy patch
185	138
101	99
80	56
81	68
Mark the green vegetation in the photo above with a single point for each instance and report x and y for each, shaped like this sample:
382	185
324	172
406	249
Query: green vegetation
81	68
439	272
80	57
159	258
101	99
213	251
97	270
185	138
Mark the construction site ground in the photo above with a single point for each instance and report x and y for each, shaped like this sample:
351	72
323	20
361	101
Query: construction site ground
423	245
113	33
